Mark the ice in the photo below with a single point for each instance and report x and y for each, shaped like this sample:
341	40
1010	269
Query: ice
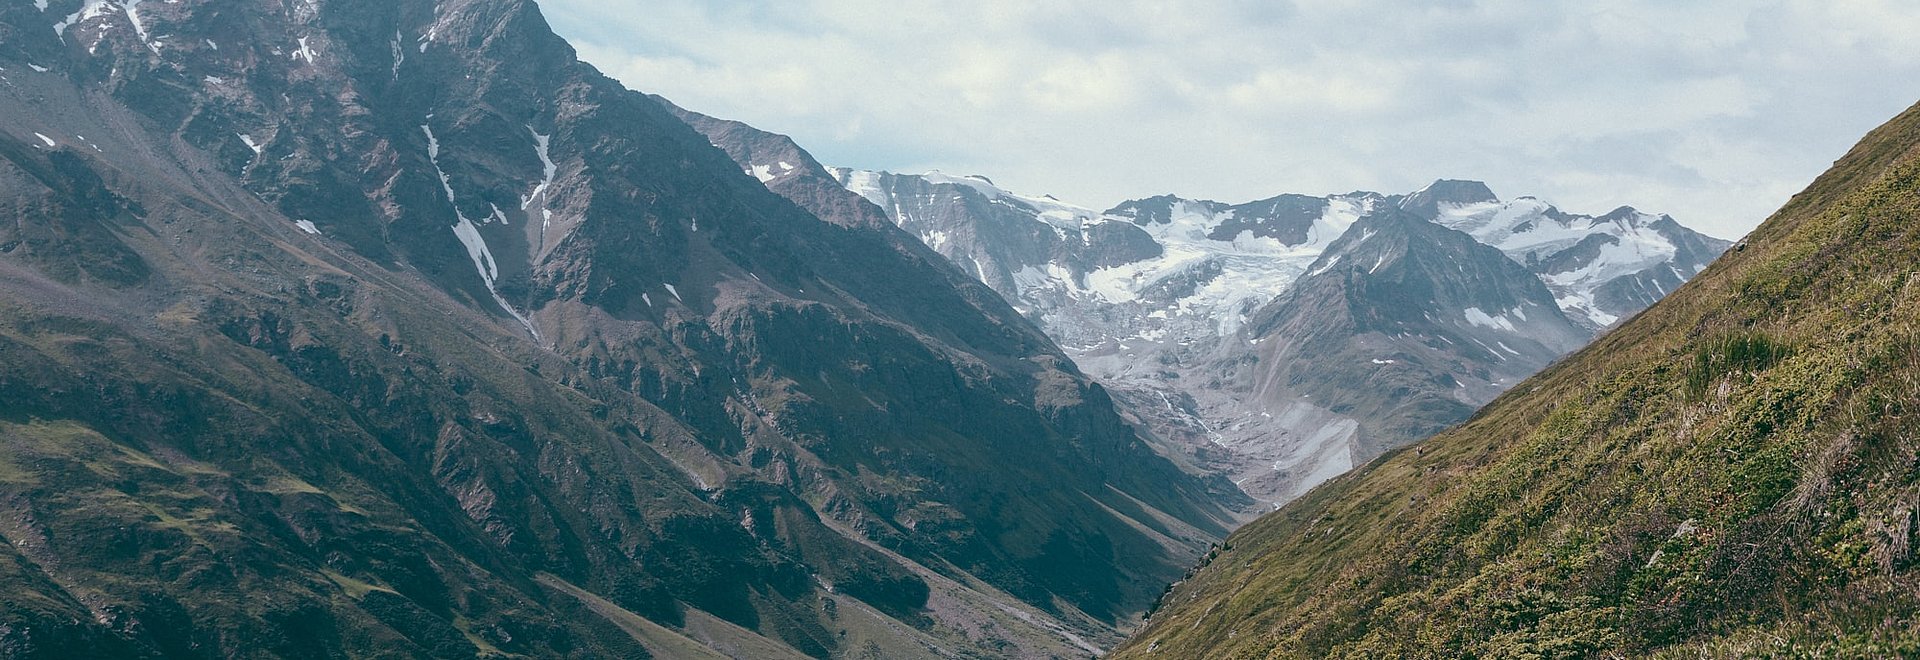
40	5
399	55
307	226
1482	319
867	184
90	9
1335	261
1214	283
1251	270
1061	273
1529	229
477	250
1581	303
541	146
132	8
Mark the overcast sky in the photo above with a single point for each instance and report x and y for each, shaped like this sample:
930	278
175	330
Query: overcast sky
1713	111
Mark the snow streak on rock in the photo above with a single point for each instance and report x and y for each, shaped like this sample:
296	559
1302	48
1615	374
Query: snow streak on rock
469	236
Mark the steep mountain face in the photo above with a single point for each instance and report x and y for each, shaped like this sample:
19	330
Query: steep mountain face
346	328
1406	327
1732	473
1156	298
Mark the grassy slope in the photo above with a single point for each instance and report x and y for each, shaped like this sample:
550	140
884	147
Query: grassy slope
1732	473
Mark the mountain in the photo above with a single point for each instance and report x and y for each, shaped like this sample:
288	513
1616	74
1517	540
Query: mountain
1238	336
1405	327
349	328
818	188
1731	473
1601	269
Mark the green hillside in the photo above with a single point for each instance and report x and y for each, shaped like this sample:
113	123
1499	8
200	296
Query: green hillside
1734	473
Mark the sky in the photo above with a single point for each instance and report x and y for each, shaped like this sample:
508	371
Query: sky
1713	111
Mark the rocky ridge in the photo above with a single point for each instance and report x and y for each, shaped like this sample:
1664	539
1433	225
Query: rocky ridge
348	328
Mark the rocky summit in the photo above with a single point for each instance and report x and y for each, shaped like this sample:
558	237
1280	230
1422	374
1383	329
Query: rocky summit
344	328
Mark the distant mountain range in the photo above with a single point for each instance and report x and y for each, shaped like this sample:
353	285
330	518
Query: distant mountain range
1732	473
1283	341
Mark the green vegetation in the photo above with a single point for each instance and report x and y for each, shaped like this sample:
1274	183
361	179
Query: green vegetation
1735	473
1739	353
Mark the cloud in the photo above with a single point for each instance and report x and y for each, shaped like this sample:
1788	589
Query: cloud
1714	111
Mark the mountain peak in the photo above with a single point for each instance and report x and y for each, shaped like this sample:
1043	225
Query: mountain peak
1460	191
1626	214
1453	192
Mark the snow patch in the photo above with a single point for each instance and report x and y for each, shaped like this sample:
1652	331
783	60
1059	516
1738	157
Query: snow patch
674	291
305	52
132	9
248	140
48	140
470	237
36	68
1335	261
767	173
399	55
307	226
1484	320
88	11
1529	231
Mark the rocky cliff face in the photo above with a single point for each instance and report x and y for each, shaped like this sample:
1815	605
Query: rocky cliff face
1406	327
1155	298
348	327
